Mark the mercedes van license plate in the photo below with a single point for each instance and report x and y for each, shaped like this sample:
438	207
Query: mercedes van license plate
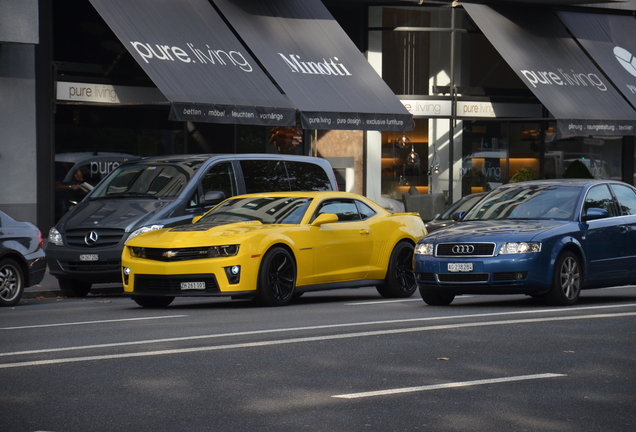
89	257
192	285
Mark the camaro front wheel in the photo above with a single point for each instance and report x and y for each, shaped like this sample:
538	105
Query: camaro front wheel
276	277
153	302
11	282
566	285
400	278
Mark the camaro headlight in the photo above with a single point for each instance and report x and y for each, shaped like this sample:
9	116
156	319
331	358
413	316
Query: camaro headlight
520	247
137	252
223	251
424	249
142	230
55	237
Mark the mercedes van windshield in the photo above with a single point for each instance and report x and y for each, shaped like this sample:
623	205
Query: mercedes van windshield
155	180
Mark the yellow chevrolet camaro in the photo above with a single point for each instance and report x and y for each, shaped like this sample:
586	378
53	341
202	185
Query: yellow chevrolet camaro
274	247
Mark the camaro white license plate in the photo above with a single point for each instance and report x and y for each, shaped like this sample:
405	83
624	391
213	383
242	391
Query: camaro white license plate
89	257
192	285
460	267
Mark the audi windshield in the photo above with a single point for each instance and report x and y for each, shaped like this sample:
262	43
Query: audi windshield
526	203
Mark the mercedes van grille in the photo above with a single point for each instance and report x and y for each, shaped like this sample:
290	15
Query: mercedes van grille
94	237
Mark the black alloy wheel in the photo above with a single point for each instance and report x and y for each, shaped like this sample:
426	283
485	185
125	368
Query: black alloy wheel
400	278
276	277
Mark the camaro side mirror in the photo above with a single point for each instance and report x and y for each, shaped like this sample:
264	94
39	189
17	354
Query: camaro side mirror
325	218
594	213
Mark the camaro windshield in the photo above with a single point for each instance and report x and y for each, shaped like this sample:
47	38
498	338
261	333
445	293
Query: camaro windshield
147	180
268	210
527	202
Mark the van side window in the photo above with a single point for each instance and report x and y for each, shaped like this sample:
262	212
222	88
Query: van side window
219	177
307	176
600	197
264	176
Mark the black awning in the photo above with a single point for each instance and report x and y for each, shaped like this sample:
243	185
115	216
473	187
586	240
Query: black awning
316	64
611	41
193	57
538	48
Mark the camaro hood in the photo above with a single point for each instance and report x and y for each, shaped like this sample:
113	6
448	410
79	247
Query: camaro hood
112	213
491	230
200	234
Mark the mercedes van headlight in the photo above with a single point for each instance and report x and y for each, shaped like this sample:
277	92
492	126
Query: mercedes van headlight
55	237
142	230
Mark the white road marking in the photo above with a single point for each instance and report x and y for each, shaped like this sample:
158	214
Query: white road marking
446	386
296	329
90	322
307	339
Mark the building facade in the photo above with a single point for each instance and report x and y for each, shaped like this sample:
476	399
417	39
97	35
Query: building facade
75	96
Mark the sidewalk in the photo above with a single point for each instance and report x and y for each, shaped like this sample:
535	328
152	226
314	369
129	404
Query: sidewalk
49	288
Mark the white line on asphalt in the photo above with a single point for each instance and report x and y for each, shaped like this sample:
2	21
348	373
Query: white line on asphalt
309	328
307	339
363	303
446	386
90	322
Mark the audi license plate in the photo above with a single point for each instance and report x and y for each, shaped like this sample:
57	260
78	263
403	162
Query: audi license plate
192	285
460	267
89	257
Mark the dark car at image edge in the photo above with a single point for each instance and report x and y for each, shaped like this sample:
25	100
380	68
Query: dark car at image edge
22	261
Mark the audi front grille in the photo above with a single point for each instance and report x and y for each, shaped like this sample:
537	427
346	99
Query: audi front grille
465	250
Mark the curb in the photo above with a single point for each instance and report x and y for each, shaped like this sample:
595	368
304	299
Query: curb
96	291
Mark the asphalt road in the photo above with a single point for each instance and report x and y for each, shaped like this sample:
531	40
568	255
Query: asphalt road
335	361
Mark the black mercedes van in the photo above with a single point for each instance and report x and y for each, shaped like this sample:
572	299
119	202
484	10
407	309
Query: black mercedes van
163	191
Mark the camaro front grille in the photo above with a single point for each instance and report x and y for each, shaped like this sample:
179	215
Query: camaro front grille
167	283
465	249
178	254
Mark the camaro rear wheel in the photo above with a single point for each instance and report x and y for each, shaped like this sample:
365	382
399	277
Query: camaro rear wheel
11	282
153	302
566	285
436	299
276	277
74	288
400	277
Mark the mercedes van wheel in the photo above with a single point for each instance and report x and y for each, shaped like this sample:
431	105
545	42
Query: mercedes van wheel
74	288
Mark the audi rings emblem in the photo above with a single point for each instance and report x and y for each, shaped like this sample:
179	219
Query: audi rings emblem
91	238
463	249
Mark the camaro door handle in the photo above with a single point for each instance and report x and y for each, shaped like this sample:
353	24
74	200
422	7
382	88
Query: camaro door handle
365	231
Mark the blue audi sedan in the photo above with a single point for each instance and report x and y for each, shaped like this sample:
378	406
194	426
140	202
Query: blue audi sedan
545	238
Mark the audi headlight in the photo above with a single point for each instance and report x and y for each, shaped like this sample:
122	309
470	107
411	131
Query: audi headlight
223	251
424	249
55	237
519	248
142	230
